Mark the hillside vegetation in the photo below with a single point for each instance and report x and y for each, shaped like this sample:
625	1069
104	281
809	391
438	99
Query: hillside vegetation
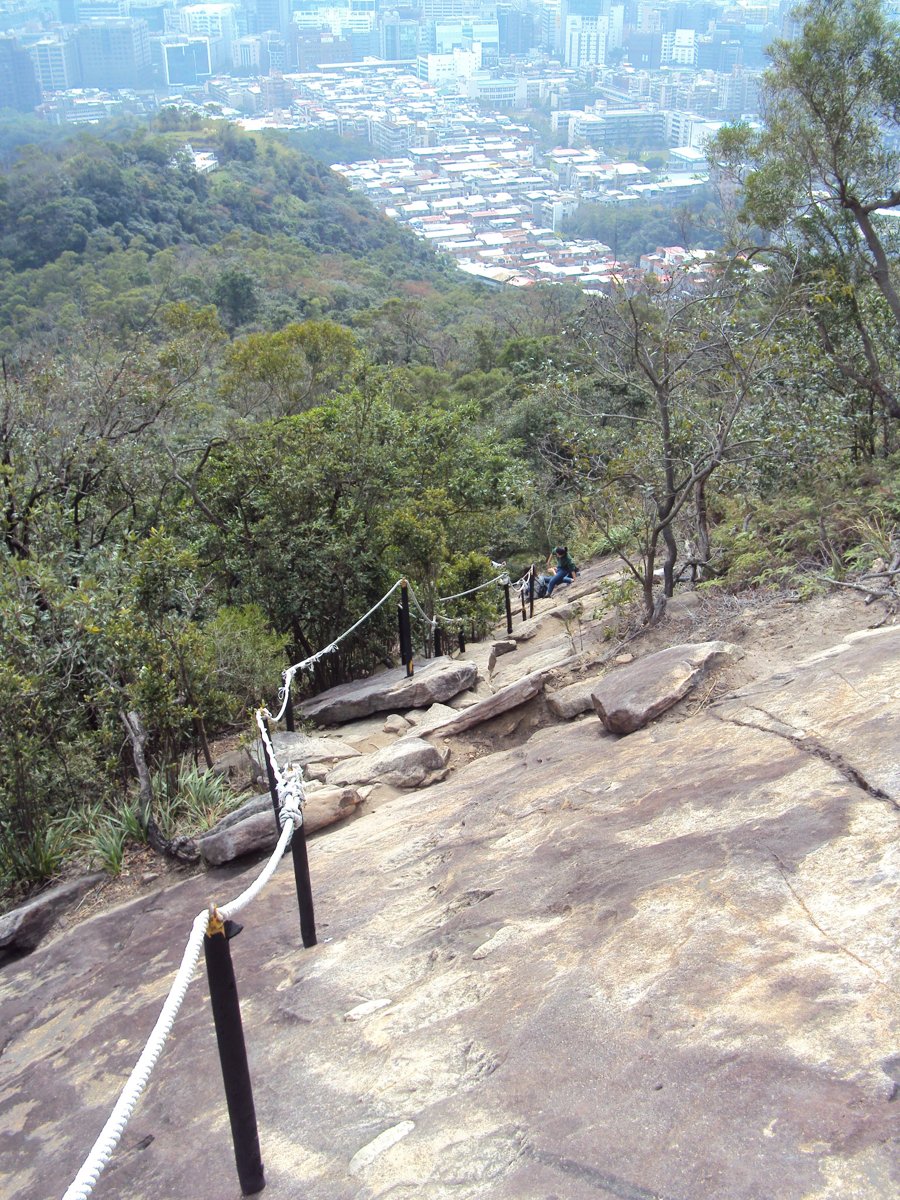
235	407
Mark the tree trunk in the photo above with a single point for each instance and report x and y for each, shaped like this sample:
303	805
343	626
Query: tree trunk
182	849
670	560
702	512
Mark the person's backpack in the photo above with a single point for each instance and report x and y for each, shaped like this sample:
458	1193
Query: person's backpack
540	586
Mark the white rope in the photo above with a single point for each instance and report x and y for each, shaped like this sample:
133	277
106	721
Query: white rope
102	1149
292	790
288	676
431	621
501	579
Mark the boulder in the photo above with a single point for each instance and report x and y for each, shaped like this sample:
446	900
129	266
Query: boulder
409	763
24	928
573	700
435	680
257	831
301	749
554	652
509	697
262	802
484	656
396	724
505	646
436	715
629	698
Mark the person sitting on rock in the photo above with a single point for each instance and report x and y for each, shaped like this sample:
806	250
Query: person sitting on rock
565	569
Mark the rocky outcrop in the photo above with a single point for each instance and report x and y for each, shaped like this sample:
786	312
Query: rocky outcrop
252	829
630	697
410	762
435	680
654	966
25	927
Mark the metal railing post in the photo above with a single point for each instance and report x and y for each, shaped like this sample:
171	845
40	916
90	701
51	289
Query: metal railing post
226	1010
304	886
406	654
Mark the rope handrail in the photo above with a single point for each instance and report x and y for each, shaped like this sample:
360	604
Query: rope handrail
290	798
102	1149
288	675
501	579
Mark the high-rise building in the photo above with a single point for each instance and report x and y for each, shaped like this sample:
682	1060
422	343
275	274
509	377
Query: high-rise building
679	48
266	15
55	63
213	21
101	10
19	88
181	61
400	37
114	54
515	28
585	44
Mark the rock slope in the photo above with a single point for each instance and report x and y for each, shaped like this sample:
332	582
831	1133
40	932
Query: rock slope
655	967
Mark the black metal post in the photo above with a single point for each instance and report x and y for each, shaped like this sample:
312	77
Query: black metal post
438	648
462	641
508	608
522	598
304	887
531	593
405	630
289	708
233	1053
273	783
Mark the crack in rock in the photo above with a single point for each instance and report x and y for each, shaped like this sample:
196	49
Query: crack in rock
811	745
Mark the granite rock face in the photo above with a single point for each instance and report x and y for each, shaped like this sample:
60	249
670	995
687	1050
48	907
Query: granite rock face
436	680
660	966
631	697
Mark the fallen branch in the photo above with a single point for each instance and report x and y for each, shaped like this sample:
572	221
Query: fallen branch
868	592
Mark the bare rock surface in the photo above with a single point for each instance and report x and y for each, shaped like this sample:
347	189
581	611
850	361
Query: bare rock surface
24	928
410	762
256	831
630	697
655	968
436	679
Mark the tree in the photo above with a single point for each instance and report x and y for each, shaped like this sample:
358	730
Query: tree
829	100
278	374
684	373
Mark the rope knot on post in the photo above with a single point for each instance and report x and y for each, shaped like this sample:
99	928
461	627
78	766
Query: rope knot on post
215	923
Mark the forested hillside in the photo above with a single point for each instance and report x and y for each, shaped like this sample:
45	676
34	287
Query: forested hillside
236	406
